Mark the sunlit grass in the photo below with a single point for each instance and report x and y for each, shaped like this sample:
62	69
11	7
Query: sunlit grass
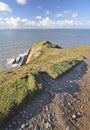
20	85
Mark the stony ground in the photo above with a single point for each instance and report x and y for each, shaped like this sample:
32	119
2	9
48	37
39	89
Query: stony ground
64	104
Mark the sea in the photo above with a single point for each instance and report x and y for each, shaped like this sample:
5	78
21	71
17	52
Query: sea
15	43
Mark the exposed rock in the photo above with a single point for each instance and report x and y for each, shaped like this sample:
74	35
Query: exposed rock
18	60
14	61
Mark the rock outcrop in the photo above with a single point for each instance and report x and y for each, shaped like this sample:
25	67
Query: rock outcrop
37	50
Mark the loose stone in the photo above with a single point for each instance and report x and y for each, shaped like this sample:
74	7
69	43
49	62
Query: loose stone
37	127
23	126
73	116
47	125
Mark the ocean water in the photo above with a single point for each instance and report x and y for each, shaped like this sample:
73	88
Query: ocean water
14	43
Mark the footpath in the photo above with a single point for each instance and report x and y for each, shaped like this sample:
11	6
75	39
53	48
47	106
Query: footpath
63	105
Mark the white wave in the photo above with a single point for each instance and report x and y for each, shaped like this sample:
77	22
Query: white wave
18	59
10	61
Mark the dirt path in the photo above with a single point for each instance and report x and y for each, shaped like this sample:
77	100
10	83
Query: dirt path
64	104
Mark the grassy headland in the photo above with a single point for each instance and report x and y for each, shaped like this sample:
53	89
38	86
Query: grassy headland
20	85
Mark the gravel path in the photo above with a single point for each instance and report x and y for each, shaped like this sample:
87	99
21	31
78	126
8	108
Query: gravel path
63	105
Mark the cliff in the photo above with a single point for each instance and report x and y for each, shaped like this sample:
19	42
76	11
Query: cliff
19	85
37	50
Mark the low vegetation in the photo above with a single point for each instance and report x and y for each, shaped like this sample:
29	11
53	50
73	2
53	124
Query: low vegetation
20	85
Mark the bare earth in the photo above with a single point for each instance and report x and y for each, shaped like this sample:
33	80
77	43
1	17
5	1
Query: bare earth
63	105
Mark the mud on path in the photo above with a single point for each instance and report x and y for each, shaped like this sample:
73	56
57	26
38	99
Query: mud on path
63	105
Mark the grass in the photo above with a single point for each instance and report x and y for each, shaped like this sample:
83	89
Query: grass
58	69
16	92
20	85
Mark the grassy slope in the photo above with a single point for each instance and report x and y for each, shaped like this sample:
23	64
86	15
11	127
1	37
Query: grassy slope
19	85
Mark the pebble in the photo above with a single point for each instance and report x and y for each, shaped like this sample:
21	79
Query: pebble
46	108
19	122
71	86
73	116
68	103
70	81
20	129
21	112
30	114
41	101
68	128
49	120
63	113
10	126
37	127
84	101
14	123
59	88
81	106
27	124
24	112
23	126
31	126
48	115
52	93
47	125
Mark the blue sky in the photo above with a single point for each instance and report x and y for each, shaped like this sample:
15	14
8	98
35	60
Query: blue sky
44	14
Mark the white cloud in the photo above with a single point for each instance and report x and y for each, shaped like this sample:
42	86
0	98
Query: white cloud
66	23
74	15
89	22
22	2
46	22
67	11
5	7
59	15
63	13
48	12
38	17
10	23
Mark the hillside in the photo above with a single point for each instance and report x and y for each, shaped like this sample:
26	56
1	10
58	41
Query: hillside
20	85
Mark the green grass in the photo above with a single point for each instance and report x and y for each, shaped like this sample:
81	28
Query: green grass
58	69
20	85
16	92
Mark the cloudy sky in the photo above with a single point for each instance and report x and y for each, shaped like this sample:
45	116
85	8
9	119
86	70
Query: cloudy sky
44	14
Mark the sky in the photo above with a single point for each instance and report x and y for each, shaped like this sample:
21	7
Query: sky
17	14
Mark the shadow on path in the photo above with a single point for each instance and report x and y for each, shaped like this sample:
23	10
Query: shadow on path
65	84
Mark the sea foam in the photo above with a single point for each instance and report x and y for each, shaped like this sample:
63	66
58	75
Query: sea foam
16	61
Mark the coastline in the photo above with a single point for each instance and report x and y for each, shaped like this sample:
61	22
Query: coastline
18	41
60	101
21	85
